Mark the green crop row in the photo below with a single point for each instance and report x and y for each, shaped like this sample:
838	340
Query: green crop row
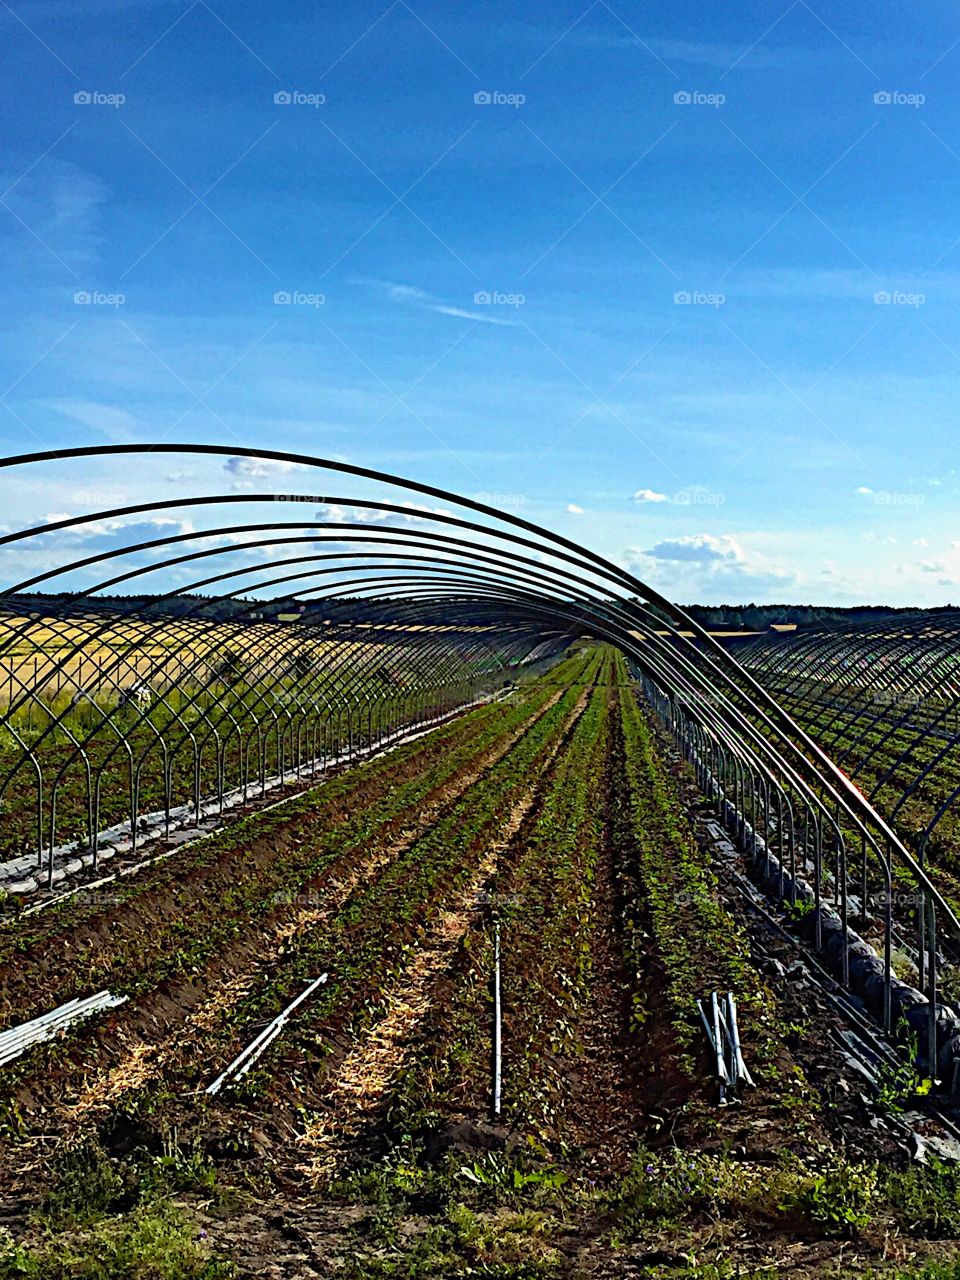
674	904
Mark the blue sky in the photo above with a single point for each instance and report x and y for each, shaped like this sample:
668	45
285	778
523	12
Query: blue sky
788	432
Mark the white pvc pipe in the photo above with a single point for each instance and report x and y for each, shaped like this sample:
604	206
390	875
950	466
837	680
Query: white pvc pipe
497	1055
248	1056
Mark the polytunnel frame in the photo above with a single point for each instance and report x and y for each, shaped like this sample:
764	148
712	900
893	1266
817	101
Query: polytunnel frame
234	572
931	676
791	750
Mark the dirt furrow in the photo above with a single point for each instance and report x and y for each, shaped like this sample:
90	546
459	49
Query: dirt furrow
605	1119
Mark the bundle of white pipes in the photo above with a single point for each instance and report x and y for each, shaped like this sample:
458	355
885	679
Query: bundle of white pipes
17	1040
723	1032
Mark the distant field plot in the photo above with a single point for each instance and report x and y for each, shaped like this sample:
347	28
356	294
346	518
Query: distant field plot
885	702
104	718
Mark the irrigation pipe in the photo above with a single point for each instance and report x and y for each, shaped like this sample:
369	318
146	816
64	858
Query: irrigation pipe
248	1056
740	1067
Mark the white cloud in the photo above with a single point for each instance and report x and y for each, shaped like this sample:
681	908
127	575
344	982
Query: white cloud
245	470
574	509
649	495
703	548
705	566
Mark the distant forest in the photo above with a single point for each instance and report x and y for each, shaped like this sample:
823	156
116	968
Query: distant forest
721	617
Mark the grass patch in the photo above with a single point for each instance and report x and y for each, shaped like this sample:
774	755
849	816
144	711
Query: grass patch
155	1241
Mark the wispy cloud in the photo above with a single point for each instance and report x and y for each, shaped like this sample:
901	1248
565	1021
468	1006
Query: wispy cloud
410	295
116	424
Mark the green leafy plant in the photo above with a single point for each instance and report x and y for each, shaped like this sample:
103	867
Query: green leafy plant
86	1184
494	1171
154	1242
840	1200
796	912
